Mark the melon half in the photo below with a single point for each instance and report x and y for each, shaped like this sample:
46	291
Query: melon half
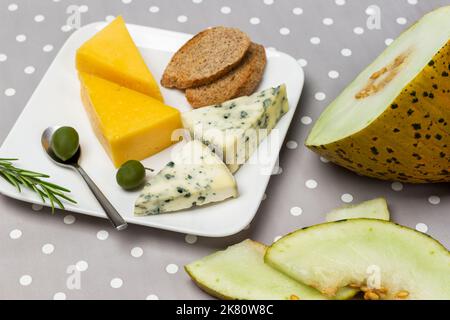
393	121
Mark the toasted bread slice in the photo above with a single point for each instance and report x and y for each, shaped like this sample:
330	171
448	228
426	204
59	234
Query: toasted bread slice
206	57
242	81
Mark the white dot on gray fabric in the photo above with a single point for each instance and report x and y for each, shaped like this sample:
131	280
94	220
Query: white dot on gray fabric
255	20
285	31
292	145
315	40
401	20
225	10
397	186
311	184
296	211
69	219
333	74
25	280
434	200
328	21
172	268
47	48
39	18
82	265
10	92
48	248
190	239
59	296
13	7
346	52
29	70
116	283
347	198
182	19
15	234
102	235
302	62
358	30
320	96
297	11
137	252
306	120
21	38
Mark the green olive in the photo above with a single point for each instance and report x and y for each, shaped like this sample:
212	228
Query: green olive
131	175
65	143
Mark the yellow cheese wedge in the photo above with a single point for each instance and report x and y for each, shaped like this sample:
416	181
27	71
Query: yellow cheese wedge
129	124
112	55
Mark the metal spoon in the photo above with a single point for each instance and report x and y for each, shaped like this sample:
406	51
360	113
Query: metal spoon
116	219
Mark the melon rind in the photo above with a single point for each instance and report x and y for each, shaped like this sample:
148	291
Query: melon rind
361	252
402	132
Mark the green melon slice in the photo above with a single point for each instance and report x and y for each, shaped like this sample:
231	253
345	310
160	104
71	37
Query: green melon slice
385	260
239	273
372	209
392	122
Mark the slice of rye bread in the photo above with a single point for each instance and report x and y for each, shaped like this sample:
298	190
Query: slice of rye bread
206	57
241	81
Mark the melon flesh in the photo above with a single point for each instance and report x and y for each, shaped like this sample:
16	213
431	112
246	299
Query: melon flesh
385	260
392	121
372	209
239	273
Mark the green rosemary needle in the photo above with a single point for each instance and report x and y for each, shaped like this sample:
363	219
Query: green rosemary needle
33	180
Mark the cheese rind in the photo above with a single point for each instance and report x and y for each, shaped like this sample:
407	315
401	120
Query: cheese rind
195	177
112	55
129	125
235	129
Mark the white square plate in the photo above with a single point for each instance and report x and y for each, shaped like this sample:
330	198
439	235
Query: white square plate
56	101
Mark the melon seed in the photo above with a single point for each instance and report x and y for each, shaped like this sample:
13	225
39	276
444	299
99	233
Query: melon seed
371	296
402	294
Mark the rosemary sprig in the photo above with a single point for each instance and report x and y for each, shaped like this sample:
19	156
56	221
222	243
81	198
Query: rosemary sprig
33	180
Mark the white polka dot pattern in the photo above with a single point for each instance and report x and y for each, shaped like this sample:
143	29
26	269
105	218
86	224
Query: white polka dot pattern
190	239
82	265
329	39
172	268
116	283
102	235
59	296
48	248
137	252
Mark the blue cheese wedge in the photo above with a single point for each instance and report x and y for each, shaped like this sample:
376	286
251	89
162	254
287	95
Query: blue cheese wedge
235	129
194	177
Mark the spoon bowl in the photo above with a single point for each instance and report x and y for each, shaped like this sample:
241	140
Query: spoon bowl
73	163
46	140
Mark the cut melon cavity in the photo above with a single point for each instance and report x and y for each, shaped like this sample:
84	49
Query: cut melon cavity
384	260
372	209
239	273
392	122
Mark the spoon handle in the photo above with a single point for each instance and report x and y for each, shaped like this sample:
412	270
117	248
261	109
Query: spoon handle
116	219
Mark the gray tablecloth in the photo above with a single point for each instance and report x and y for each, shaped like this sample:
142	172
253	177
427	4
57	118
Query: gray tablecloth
330	39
